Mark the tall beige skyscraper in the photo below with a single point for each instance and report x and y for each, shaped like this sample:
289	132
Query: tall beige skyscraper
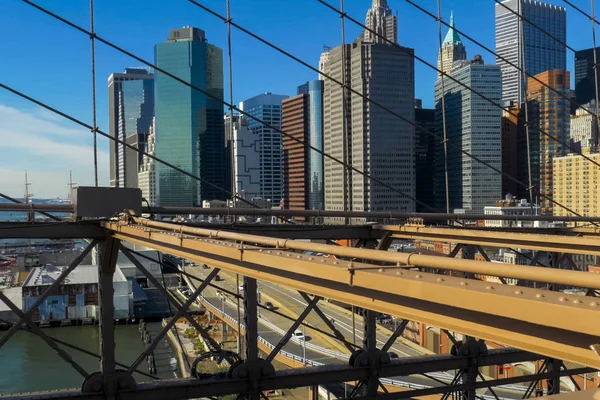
364	135
452	49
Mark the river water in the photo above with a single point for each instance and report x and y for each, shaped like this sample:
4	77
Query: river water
28	364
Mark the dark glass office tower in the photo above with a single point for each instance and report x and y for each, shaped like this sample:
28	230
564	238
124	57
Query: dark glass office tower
189	124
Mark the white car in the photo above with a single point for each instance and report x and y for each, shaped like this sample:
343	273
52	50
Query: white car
298	334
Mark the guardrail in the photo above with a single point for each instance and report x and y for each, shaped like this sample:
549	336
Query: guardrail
386	381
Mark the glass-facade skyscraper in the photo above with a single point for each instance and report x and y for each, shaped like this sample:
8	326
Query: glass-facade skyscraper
472	125
542	52
585	81
314	91
130	113
189	124
267	108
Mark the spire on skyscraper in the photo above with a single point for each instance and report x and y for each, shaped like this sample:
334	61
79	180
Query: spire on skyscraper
382	22
452	49
452	36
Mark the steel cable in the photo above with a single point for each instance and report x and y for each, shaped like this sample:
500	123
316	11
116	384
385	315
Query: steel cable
466	87
93	60
443	97
353	91
220	100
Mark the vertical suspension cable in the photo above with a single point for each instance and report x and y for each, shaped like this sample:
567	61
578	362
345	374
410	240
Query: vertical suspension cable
231	137
94	123
522	87
234	186
239	317
346	154
345	142
596	138
442	76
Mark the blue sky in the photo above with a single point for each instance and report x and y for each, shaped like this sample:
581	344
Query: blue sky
51	62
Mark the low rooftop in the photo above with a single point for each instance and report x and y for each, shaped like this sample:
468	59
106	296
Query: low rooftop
82	274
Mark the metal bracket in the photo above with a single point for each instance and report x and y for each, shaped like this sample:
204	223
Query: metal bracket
471	348
95	382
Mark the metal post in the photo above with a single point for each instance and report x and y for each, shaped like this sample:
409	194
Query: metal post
304	345
109	250
370	346
553	382
251	345
469	254
251	318
468	376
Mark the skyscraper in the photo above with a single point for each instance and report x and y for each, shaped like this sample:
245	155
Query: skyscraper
246	158
550	112
130	113
424	156
302	117
452	49
382	21
510	150
147	173
364	135
575	180
267	108
539	51
585	82
473	125
584	127
189	124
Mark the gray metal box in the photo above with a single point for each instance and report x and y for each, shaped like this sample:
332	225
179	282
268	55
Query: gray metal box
98	202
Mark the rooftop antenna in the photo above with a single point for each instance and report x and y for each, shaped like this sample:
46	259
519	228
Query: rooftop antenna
71	186
28	196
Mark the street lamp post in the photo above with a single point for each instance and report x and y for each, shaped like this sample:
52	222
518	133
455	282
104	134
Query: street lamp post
304	344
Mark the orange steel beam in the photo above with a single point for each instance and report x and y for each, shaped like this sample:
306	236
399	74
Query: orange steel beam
542	322
553	243
539	274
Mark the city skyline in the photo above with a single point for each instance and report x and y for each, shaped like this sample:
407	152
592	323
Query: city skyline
50	176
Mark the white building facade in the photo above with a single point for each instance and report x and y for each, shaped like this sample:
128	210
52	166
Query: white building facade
147	173
267	108
513	208
584	126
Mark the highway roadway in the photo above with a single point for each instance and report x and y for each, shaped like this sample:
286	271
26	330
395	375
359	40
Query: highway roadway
292	304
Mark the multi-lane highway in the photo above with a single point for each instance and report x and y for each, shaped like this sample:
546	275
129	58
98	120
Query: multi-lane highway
318	348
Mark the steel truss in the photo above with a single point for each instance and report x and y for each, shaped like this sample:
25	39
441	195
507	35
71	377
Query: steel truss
533	320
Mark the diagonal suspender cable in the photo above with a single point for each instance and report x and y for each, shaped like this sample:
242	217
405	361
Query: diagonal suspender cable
516	66
106	135
466	87
559	41
270	126
443	97
593	19
94	123
366	98
112	45
428	64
